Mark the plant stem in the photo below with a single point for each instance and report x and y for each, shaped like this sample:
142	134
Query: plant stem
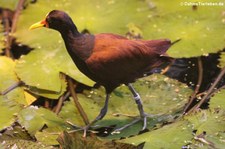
46	104
15	85
77	104
211	89
60	102
198	85
9	32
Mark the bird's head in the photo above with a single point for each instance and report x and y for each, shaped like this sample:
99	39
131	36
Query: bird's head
57	20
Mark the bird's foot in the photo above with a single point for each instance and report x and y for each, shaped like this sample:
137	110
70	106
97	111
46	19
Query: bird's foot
85	129
136	120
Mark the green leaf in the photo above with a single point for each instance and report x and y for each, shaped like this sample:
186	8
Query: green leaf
8	79
39	68
9	110
11	4
209	121
34	119
48	138
160	95
46	67
222	60
210	141
10	103
217	101
19	143
217	139
170	136
75	140
201	30
16	132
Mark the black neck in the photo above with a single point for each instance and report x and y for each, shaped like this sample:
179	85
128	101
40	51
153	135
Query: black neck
69	31
78	45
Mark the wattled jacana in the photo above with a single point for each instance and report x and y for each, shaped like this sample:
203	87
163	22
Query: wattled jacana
108	59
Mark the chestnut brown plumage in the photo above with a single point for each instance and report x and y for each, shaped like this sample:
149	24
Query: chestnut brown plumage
108	59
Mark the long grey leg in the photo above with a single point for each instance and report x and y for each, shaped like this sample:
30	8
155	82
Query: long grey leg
103	110
137	99
100	115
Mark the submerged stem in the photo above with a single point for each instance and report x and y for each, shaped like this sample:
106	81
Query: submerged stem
211	89
198	85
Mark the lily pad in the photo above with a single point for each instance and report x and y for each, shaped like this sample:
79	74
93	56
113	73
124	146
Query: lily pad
200	29
209	128
179	134
209	141
207	121
11	4
46	68
10	103
15	132
9	110
218	140
75	140
8	79
175	135
35	119
222	60
24	144
48	138
217	101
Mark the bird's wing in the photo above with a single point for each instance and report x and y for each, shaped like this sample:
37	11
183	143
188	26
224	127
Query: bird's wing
120	59
159	46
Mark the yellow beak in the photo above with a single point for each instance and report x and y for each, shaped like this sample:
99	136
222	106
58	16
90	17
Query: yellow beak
38	24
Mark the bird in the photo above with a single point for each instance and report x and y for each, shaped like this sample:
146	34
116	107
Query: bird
109	59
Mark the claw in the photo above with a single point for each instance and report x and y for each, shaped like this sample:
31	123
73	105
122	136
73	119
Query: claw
144	123
85	132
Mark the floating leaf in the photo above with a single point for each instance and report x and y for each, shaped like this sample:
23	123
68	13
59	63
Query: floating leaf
15	132
208	141
71	114
200	30
222	60
9	110
46	67
19	143
29	98
75	140
8	79
218	140
209	128
48	138
175	135
11	4
34	119
217	101
10	103
207	121
17	137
